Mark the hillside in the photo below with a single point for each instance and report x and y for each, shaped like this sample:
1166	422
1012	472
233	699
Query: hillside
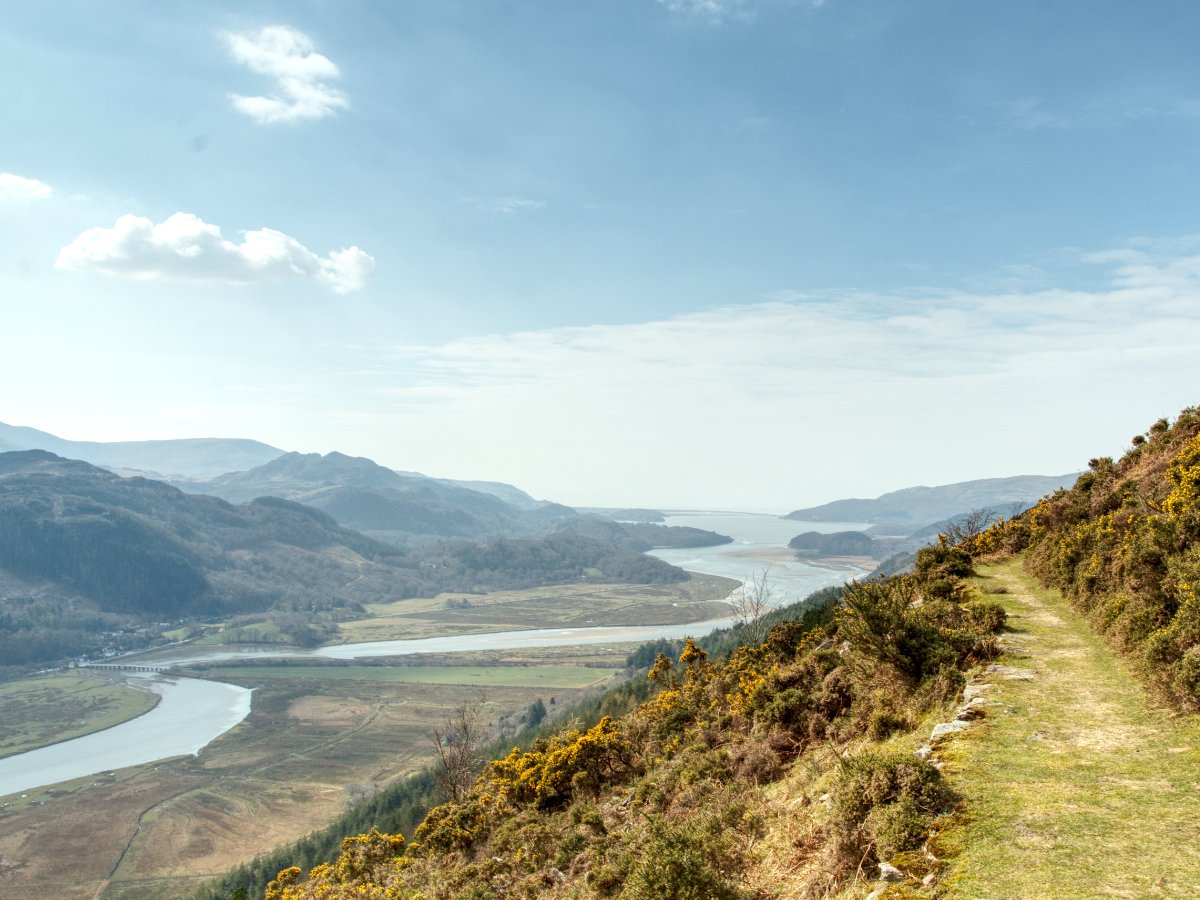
776	772
200	458
1123	545
910	508
799	767
412	510
363	495
89	560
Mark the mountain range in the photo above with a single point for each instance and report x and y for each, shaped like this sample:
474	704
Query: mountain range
899	513
86	555
184	458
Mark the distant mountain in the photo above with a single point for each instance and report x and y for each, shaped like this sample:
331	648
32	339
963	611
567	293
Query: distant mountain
411	509
200	458
624	514
914	507
86	554
368	497
513	496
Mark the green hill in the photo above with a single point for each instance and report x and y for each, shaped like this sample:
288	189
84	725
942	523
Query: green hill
92	561
831	760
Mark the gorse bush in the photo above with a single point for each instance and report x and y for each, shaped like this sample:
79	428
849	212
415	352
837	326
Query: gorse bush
662	801
882	803
1123	545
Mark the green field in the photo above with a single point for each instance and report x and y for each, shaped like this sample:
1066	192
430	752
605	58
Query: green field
483	676
52	708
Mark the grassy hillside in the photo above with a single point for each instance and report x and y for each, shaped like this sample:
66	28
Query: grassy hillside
1123	545
1073	786
681	796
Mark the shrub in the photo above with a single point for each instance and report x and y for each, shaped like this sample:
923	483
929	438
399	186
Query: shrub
679	863
883	803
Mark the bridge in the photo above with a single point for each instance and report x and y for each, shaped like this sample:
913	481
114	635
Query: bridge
123	667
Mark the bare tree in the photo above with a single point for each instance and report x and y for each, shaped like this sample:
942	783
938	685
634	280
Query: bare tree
971	525
457	742
751	603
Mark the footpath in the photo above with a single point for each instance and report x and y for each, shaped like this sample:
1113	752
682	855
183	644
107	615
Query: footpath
1075	785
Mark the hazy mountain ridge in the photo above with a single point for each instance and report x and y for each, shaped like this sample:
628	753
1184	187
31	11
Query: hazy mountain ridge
414	510
179	458
86	542
915	507
364	495
187	462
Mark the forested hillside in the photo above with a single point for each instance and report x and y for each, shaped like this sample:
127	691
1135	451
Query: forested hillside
90	560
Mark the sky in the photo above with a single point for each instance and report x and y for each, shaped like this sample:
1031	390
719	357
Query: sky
749	254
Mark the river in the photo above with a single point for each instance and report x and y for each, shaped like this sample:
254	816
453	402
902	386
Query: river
194	712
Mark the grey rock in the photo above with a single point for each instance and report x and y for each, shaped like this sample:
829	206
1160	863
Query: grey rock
1010	672
973	709
940	732
888	872
975	690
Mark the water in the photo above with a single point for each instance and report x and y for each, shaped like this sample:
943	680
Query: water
190	715
194	712
760	543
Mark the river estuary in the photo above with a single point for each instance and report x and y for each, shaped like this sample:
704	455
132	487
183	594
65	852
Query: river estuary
194	712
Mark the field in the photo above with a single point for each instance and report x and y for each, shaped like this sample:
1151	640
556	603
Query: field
52	708
318	738
479	676
560	606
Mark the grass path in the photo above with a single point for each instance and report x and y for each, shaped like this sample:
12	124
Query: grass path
1074	785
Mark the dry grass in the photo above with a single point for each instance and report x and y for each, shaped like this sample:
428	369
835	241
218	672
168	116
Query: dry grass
308	748
52	708
560	606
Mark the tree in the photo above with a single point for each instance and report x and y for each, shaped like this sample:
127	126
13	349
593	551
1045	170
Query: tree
751	603
536	714
969	526
458	742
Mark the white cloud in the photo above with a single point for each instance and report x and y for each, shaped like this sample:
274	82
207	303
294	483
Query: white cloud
720	10
505	205
14	187
801	398
185	248
302	76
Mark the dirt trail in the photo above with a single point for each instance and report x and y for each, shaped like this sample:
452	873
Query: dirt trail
1074	785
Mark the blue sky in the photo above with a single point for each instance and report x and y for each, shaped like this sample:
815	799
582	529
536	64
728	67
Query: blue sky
755	253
